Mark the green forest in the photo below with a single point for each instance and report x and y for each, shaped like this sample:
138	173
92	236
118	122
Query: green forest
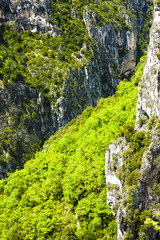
61	193
44	63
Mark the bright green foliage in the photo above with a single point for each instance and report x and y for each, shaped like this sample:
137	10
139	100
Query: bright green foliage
128	130
151	223
144	221
131	175
139	221
157	189
37	61
61	194
65	12
43	61
46	63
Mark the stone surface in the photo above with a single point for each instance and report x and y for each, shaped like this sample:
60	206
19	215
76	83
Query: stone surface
26	15
143	194
113	164
149	88
115	59
148	105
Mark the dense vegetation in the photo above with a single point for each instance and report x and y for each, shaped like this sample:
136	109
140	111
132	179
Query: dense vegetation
144	219
44	63
61	193
35	60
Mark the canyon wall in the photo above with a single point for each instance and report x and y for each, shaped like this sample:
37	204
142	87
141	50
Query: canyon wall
133	173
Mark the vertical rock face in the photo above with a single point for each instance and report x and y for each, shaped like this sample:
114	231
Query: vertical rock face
119	48
113	163
115	59
134	200
26	122
149	88
27	15
141	199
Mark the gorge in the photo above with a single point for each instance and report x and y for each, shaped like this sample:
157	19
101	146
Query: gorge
60	192
60	76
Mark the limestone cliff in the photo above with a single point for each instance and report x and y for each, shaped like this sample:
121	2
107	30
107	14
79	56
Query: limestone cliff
132	163
114	59
114	56
26	15
148	101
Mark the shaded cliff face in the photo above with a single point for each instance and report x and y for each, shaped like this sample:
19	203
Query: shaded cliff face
67	84
25	124
114	58
132	163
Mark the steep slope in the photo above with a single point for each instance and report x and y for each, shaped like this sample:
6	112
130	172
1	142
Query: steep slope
61	194
89	47
133	162
148	101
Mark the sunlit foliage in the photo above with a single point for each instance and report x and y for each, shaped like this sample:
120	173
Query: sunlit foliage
61	194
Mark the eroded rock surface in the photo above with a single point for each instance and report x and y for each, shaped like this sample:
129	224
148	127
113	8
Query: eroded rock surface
115	59
140	198
113	164
26	15
149	88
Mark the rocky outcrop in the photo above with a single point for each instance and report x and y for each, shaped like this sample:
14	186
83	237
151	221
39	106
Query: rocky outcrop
144	197
115	59
149	88
140	201
26	15
119	48
113	164
136	199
